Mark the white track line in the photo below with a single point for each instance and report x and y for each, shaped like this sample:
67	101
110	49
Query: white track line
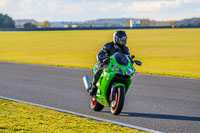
86	116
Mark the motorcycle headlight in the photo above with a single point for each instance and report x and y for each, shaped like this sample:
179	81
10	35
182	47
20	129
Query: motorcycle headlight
116	69
129	71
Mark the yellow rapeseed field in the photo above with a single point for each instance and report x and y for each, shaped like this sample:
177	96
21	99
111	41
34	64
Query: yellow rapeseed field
174	52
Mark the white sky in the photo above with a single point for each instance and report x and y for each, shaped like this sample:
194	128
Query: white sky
81	10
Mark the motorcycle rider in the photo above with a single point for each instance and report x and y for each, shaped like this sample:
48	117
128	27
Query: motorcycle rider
117	45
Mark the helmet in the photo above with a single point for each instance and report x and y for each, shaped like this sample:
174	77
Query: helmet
120	38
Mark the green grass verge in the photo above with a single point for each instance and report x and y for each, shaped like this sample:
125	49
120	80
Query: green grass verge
20	117
172	52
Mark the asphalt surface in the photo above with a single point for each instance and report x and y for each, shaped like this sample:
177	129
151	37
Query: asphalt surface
166	104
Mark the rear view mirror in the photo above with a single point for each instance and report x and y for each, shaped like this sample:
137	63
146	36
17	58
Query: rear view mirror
139	63
132	56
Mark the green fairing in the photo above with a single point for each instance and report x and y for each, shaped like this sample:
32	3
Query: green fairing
107	79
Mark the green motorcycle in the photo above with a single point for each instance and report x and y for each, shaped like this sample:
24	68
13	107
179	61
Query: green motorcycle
113	83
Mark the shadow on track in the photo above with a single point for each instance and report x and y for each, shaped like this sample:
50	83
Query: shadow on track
160	116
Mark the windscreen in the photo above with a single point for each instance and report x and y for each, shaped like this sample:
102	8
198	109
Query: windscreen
121	58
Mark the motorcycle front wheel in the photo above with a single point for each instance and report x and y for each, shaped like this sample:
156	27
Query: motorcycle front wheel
96	106
118	101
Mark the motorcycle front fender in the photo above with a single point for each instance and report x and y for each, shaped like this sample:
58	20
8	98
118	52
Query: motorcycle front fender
119	84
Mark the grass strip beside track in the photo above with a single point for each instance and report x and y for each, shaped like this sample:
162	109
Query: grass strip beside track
173	52
21	117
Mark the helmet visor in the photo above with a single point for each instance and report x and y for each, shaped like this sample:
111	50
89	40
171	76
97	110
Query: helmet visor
122	41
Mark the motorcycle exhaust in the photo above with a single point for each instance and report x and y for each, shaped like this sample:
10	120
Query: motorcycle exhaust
87	83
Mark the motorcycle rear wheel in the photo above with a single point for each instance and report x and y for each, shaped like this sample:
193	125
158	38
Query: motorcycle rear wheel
96	106
118	102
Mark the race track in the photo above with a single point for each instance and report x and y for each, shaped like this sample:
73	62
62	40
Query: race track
166	104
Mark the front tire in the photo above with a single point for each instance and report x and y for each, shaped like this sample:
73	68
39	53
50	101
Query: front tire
118	102
96	106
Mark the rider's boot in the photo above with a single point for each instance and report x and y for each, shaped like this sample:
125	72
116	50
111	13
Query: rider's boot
93	91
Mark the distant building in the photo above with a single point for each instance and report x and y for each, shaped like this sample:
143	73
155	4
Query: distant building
66	26
74	26
133	23
130	23
136	23
19	26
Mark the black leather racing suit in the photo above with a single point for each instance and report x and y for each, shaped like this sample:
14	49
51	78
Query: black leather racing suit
108	50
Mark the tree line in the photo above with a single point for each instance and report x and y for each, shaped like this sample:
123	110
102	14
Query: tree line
45	24
148	22
7	22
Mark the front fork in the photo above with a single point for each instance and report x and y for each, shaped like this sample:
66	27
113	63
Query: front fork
114	90
112	94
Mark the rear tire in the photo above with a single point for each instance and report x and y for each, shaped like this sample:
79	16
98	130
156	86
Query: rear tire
118	102
96	106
